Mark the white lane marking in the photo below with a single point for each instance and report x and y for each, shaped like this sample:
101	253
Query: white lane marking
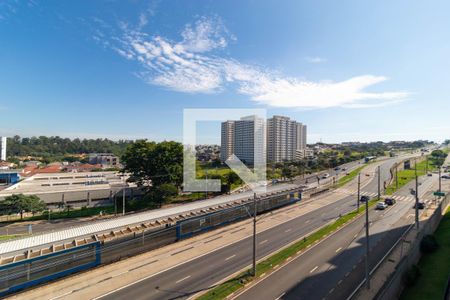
196	257
228	258
279	297
183	279
338	249
355	236
287	230
315	268
263	242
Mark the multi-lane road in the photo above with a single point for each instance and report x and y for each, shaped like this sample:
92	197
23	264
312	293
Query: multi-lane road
186	280
335	267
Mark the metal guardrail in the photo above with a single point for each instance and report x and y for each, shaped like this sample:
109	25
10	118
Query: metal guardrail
388	253
18	275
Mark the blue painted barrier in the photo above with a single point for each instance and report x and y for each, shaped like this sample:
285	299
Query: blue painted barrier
200	229
51	260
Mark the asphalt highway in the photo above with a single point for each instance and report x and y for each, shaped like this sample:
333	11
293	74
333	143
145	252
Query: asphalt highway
334	269
189	278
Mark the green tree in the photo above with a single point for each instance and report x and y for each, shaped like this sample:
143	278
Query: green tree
156	167
438	157
22	203
161	194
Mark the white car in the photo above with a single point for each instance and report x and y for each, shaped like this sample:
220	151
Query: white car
381	205
326	175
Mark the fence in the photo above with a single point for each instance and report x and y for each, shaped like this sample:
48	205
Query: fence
25	273
406	251
187	228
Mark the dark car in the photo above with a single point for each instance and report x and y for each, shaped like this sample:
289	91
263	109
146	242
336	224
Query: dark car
429	174
389	201
420	205
364	198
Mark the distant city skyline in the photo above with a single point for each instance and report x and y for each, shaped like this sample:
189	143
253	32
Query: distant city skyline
352	71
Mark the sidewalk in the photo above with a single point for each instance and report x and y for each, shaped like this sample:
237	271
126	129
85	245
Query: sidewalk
406	251
103	279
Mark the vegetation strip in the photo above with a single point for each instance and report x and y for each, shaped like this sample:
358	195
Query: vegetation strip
347	178
405	176
434	268
230	286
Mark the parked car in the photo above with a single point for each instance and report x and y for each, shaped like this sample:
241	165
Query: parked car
420	205
337	168
429	174
445	176
381	205
389	201
326	175
364	198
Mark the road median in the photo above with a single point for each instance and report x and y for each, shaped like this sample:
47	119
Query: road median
269	264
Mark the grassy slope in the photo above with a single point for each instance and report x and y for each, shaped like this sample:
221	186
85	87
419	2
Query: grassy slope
347	178
435	268
406	176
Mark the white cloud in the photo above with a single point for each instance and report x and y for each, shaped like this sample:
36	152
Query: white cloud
143	20
315	59
205	35
193	66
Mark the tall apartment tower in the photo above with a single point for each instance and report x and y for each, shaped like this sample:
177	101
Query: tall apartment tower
2	148
227	140
281	139
250	140
245	138
301	136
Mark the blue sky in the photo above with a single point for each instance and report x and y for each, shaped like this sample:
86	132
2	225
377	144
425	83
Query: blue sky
350	70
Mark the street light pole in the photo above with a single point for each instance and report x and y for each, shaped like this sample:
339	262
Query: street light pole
417	196
379	182
254	235
396	177
123	201
367	246
440	179
359	186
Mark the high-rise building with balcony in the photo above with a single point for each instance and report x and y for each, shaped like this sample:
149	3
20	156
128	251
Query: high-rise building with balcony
2	148
227	140
251	138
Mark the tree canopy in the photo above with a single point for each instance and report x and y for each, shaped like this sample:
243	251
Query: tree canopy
48	147
18	204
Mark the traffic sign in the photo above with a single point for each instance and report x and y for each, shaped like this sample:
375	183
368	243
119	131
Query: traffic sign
439	194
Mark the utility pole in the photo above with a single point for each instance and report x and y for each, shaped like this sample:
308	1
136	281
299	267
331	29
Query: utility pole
359	187
440	179
206	177
379	182
396	177
417	196
367	246
254	235
115	205
123	201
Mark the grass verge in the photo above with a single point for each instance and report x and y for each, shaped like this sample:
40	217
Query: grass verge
8	237
434	267
74	213
406	176
347	178
230	286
